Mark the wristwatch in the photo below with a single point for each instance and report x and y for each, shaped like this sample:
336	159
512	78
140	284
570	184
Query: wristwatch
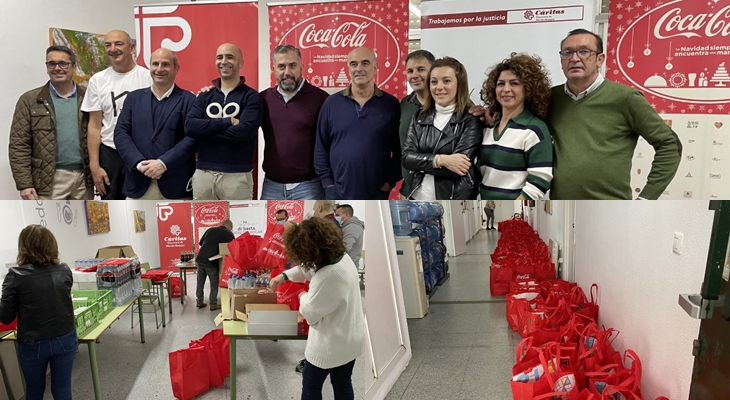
286	278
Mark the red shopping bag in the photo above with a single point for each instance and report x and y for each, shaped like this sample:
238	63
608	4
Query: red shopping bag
395	193
217	347
243	250
272	252
175	286
230	267
11	326
189	372
595	348
581	305
545	375
499	280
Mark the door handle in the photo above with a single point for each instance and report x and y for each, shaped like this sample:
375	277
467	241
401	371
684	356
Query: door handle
698	307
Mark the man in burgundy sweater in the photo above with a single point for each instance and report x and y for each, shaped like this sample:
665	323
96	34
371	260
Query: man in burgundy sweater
291	109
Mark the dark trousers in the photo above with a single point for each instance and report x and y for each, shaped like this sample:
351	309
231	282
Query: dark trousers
490	217
341	377
112	163
211	273
34	358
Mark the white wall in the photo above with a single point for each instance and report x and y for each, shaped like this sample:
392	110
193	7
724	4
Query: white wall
626	247
551	226
28	22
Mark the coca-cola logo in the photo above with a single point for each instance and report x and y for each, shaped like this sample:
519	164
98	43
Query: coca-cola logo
326	39
678	51
295	209
211	214
678	22
525	276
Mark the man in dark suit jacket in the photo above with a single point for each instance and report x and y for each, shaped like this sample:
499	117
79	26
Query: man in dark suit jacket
150	135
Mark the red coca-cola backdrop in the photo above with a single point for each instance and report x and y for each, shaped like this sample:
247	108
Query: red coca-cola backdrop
677	52
326	32
295	208
175	233
208	214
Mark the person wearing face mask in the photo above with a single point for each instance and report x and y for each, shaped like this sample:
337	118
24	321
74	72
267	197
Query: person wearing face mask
47	145
291	109
441	149
150	135
281	217
418	64
517	153
104	102
225	122
353	230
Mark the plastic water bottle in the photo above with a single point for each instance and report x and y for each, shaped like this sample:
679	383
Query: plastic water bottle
249	281
232	282
399	216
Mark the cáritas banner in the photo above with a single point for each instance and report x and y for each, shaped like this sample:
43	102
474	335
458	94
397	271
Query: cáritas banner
175	233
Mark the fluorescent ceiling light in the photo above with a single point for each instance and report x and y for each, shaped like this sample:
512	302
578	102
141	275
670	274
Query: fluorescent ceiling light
414	10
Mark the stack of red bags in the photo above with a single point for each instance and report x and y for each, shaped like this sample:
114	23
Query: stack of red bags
520	254
564	352
201	366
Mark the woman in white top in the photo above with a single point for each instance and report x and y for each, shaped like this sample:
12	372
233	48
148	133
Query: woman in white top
441	147
332	307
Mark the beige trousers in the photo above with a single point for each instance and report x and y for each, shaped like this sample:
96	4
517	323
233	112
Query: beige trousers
214	185
69	185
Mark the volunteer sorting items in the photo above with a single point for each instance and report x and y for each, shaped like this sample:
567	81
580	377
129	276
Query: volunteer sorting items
332	306
38	291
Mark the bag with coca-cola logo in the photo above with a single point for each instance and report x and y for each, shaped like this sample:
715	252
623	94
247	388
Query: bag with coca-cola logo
272	252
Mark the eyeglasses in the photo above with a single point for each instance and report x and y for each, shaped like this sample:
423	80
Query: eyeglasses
53	64
582	53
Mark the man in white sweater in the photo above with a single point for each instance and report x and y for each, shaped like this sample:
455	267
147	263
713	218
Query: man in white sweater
332	306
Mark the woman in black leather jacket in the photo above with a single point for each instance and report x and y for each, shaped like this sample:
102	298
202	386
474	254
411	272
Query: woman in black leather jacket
442	146
38	291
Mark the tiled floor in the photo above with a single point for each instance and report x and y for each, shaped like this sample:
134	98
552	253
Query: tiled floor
463	348
129	369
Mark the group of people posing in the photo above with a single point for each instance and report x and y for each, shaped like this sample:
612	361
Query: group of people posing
134	134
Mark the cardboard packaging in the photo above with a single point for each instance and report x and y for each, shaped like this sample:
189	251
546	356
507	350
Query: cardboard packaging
120	251
260	311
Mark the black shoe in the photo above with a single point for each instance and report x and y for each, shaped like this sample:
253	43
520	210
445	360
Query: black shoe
300	367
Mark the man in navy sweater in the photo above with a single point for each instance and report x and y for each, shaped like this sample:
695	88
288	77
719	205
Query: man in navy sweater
225	122
358	148
150	135
290	128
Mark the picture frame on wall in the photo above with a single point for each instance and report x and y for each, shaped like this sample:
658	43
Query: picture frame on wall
548	207
139	221
97	217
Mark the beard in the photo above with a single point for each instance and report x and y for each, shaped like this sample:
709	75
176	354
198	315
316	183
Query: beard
288	86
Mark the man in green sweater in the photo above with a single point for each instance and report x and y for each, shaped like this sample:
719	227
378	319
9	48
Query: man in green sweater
418	65
596	124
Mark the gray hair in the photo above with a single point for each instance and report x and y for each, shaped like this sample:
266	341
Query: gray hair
64	49
283	49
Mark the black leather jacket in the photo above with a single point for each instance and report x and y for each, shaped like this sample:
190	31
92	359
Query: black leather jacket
463	134
41	298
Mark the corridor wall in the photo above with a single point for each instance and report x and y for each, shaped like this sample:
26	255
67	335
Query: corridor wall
626	247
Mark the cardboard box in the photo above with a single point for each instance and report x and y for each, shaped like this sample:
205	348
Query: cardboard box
122	251
222	252
271	319
260	311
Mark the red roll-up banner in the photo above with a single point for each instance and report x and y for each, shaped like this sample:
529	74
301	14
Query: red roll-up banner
175	233
194	30
208	214
326	32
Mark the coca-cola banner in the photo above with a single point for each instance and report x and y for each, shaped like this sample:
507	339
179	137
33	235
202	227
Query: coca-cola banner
678	54
175	233
326	32
482	33
295	209
248	216
206	215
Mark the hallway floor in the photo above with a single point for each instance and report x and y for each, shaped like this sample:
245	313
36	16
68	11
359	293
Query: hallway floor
463	348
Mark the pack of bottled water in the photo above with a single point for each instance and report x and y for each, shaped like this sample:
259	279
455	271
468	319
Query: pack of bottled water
250	280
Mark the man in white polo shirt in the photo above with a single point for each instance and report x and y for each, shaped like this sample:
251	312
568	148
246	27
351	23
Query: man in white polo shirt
103	101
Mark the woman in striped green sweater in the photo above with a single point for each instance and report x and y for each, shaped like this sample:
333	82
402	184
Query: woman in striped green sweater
516	153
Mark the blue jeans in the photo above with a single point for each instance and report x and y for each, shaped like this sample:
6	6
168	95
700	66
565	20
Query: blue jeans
307	190
341	378
34	358
332	194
